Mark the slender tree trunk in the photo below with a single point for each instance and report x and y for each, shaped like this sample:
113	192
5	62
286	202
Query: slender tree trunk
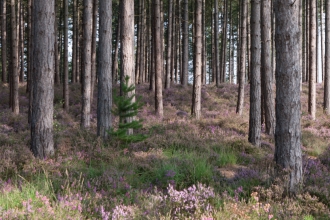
169	45
266	68
224	43
185	52
42	144
104	100
303	56
127	48
326	105
93	68
322	41
66	57
142	50
231	49
15	77
216	43
87	59
21	40
255	88
158	60
56	50
115	56
242	59
287	135
312	61
4	41
30	59
197	87
74	42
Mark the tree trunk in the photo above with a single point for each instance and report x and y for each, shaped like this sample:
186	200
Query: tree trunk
74	42
115	56
326	105
287	135
21	40
93	68
104	100
66	57
127	47
224	43
242	58
87	60
4	41
15	77
56	50
255	85
169	45
197	87
216	43
158	60
185	52
42	144
312	60
266	68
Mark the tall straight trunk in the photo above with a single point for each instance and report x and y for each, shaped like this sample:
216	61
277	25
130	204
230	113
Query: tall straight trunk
326	105
169	45
42	143
216	43
203	45
4	40
56	50
266	67
30	59
242	58
158	60
197	87
104	100
21	40
127	48
312	61
14	53
303	55
322	41
66	58
152	47
287	135
115	56
74	42
185	52
224	42
29	47
138	45
174	44
87	60
248	47
255	86
79	45
307	39
142	50
231	61
93	68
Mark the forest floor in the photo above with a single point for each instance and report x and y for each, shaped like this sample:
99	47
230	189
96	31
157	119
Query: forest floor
185	169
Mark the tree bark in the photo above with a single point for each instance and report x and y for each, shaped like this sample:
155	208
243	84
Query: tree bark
255	85
127	47
326	105
115	56
216	43
86	58
185	24
242	58
74	42
15	77
66	57
104	102
197	87
57	55
287	135
312	60
158	61
169	46
4	41
42	144
93	68
266	68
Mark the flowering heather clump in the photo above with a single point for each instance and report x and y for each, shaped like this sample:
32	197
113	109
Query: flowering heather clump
123	212
193	201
